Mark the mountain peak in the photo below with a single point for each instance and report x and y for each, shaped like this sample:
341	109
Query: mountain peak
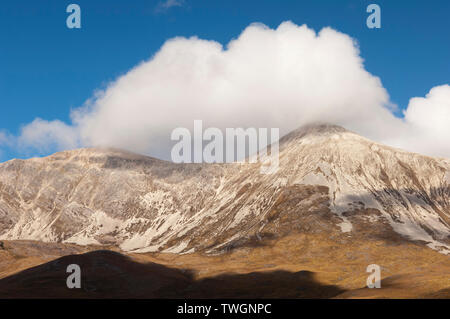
321	128
316	130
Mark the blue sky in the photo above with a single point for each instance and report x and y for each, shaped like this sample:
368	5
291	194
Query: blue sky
47	69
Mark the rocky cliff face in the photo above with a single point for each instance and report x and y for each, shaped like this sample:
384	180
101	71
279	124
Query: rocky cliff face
329	181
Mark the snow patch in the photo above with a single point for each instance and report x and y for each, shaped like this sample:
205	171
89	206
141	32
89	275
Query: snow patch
159	226
314	179
240	215
100	224
178	248
346	226
447	177
411	230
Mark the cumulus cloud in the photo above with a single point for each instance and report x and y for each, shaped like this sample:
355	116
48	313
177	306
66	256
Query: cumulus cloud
45	136
427	124
6	139
283	77
167	4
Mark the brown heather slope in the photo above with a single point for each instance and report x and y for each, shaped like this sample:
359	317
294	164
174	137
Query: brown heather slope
296	266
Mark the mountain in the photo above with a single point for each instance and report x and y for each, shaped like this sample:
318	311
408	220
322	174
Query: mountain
330	181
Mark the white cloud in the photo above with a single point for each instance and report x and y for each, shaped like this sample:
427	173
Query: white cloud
282	78
45	136
167	4
3	138
427	122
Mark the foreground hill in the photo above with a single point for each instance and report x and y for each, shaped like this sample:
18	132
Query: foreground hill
300	266
330	183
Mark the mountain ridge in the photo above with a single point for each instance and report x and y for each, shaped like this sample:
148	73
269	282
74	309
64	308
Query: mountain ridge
330	180
316	129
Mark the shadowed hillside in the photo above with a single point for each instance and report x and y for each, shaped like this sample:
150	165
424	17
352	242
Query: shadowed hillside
108	274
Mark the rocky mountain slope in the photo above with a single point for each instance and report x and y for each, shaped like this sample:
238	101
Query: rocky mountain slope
330	181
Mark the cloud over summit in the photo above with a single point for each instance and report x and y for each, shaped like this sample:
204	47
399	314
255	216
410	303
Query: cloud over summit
283	77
